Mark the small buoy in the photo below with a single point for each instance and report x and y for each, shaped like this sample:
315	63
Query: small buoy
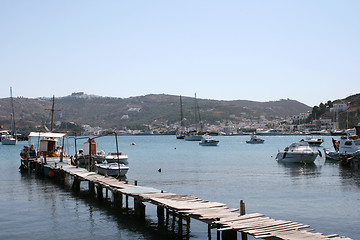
175	148
159	170
133	143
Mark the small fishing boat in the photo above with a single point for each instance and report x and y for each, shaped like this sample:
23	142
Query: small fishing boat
299	152
255	140
346	148
208	141
111	169
314	142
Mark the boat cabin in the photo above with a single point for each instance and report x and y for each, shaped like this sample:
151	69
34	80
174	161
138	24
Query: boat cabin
49	143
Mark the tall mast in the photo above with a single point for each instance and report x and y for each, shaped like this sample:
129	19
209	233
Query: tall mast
195	114
181	113
13	128
52	113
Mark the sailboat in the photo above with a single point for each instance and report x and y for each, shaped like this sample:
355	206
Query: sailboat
10	138
195	135
180	134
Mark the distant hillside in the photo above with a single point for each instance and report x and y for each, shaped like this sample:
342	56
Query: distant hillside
136	112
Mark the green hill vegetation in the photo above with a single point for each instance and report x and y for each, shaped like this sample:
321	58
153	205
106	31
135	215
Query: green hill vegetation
136	112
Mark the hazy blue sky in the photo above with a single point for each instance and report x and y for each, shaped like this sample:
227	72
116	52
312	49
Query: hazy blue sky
307	50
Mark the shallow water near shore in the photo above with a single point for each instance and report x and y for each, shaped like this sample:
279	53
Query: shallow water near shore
323	195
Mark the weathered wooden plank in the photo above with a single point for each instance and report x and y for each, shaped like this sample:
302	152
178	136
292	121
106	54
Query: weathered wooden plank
238	217
284	226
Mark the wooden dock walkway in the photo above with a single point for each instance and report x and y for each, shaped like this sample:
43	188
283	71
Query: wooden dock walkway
227	221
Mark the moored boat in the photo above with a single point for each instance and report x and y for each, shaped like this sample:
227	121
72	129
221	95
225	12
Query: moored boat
316	142
208	141
255	140
299	152
346	147
193	136
10	137
112	169
113	157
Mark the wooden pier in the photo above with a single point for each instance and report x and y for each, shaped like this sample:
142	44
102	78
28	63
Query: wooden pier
227	221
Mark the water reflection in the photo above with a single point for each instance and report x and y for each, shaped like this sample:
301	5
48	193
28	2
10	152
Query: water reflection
88	213
350	176
300	169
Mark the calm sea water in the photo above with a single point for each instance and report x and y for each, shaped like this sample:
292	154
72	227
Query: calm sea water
324	195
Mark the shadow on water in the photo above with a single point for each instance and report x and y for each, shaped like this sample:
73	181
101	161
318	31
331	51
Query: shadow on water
301	169
126	219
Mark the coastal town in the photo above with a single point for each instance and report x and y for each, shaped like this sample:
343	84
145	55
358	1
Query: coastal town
294	125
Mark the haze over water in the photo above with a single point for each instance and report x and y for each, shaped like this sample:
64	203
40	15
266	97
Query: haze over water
324	195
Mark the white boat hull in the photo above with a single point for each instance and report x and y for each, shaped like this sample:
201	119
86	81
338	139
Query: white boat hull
112	169
122	159
255	142
212	143
295	157
8	141
193	138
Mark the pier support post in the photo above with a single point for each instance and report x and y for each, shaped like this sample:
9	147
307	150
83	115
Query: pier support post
187	227
167	218
127	203
99	190
76	184
139	208
209	231
229	235
243	212
173	221
160	215
180	224
91	189
118	200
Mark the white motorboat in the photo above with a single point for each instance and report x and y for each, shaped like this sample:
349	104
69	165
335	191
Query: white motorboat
313	141
208	141
112	169
299	152
255	140
114	157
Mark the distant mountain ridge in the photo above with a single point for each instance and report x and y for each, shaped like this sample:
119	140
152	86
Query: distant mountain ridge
139	112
